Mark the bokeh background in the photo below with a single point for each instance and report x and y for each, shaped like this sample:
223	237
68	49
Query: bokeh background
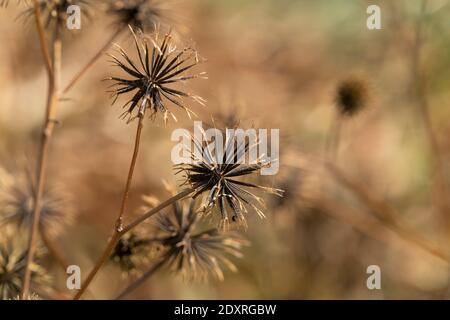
271	64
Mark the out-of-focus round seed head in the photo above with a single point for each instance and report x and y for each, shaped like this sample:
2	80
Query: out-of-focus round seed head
151	78
144	15
351	96
17	194
13	255
55	11
192	251
130	252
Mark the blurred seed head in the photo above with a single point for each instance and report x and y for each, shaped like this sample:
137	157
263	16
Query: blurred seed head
217	180
13	254
151	78
193	252
55	11
130	252
144	15
351	96
17	196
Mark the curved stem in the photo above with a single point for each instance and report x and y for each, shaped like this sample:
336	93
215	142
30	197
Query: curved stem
93	60
139	281
119	221
47	131
120	232
42	40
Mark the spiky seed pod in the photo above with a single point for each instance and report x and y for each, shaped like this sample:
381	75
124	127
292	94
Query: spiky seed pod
130	252
192	252
216	177
55	11
351	96
13	255
151	78
144	15
17	205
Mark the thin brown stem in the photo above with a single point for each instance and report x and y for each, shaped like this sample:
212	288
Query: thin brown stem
47	131
119	221
376	230
119	232
139	281
42	40
156	209
419	90
93	60
386	215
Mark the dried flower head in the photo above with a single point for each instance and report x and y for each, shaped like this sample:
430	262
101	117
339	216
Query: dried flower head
151	77
130	252
351	96
216	177
17	205
194	253
55	11
144	15
12	266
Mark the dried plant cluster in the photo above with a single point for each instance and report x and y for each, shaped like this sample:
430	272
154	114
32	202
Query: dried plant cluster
312	226
179	239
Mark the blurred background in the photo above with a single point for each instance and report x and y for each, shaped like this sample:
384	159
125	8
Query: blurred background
381	199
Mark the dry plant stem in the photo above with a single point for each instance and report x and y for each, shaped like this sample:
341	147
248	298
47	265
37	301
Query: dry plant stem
94	59
52	104
119	222
419	89
374	229
139	281
333	138
42	40
120	232
386	215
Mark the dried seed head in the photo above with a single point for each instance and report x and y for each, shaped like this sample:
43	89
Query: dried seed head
55	11
144	15
351	96
150	79
130	252
216	177
17	204
192	252
13	255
